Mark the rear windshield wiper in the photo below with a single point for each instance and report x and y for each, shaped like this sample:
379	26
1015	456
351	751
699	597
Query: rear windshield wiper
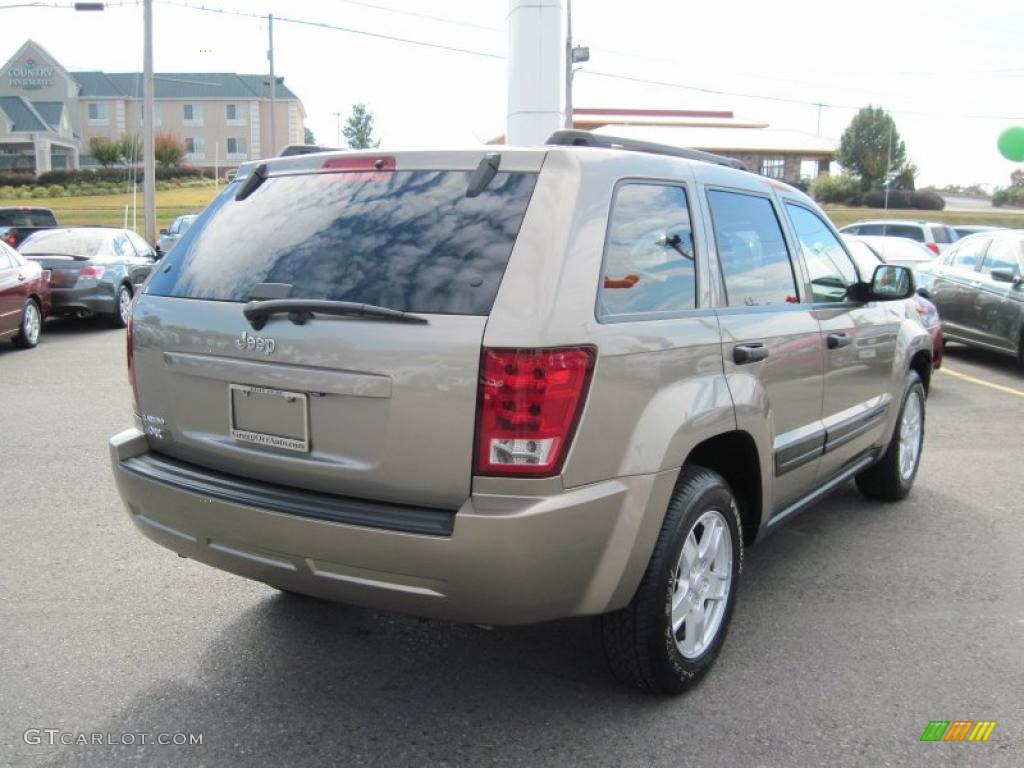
300	311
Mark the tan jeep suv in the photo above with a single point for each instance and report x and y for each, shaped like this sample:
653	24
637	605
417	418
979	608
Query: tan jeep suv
515	385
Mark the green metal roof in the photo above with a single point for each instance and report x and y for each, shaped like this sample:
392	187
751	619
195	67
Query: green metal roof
21	114
179	85
50	111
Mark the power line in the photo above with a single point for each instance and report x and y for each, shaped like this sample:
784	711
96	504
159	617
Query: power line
783	99
417	14
595	73
335	27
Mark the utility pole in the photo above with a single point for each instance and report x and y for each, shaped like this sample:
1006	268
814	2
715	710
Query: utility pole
888	163
568	63
273	88
148	163
337	117
819	118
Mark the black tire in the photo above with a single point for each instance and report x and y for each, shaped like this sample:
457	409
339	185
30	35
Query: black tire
27	337
117	319
884	480
638	640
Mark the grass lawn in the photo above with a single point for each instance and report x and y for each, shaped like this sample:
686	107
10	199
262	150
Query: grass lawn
996	217
109	210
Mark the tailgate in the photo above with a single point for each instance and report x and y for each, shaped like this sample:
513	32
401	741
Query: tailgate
388	410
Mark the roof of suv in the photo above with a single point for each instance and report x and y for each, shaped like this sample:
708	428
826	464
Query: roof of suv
903	222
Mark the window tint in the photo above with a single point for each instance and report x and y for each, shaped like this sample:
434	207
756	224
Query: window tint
871	229
942	235
751	250
830	268
1002	255
409	240
37	217
969	252
649	256
903	230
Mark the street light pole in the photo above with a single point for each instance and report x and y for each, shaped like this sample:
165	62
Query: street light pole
337	117
148	163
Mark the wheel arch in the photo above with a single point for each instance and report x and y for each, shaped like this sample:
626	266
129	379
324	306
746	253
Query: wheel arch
734	456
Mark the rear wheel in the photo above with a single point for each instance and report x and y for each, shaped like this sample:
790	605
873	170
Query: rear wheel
31	326
122	307
669	635
892	478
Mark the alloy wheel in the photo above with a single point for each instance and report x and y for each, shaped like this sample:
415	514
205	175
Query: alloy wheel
702	583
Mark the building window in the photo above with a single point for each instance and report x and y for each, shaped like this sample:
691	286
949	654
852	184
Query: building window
192	114
98	114
235	114
775	167
236	146
194	145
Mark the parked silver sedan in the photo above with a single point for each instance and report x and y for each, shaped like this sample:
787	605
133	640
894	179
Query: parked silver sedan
978	286
895	250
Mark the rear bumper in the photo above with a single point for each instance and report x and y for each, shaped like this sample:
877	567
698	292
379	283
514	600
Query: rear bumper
97	299
507	559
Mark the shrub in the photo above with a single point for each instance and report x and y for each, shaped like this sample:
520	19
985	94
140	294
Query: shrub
55	190
1009	196
922	200
168	149
842	189
16	179
38	192
105	151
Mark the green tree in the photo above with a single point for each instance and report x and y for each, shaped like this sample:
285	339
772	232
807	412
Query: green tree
105	151
168	149
865	149
130	147
309	137
358	129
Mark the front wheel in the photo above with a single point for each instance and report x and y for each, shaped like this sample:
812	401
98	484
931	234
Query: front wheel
893	476
122	307
669	635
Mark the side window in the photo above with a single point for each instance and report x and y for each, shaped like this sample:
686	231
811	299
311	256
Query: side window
942	234
751	250
142	248
905	230
969	252
831	270
871	229
649	255
1001	255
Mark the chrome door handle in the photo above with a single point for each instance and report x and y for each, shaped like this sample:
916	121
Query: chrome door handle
751	352
837	340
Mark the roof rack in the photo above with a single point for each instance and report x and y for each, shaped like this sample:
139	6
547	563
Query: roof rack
569	138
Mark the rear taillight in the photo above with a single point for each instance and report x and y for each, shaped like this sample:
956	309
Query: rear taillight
94	271
130	336
530	402
933	247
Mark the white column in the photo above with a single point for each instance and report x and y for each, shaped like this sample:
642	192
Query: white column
42	147
536	70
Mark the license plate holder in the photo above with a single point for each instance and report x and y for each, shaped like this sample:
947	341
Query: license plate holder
274	418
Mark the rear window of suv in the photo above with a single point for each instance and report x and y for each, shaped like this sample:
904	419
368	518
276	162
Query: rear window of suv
407	240
904	230
27	217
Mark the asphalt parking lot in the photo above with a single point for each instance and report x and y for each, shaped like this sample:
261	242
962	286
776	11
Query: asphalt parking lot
856	625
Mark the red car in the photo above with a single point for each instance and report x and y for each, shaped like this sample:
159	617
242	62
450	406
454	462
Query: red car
24	298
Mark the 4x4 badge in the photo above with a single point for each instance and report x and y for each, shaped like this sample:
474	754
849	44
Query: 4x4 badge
256	343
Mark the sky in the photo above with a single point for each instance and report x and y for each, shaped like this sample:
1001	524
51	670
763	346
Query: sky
951	73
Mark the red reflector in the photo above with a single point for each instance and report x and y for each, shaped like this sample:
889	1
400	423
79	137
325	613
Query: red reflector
530	402
933	247
10	239
130	336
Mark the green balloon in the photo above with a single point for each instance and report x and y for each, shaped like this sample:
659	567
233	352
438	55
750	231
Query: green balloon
1011	143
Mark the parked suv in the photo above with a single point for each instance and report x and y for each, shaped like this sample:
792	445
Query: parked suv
510	387
936	236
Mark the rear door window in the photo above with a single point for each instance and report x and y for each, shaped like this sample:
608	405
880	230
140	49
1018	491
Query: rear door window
407	240
904	230
942	235
969	253
649	256
751	250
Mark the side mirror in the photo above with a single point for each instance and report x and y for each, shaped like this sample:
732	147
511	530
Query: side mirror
163	231
1005	276
891	283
